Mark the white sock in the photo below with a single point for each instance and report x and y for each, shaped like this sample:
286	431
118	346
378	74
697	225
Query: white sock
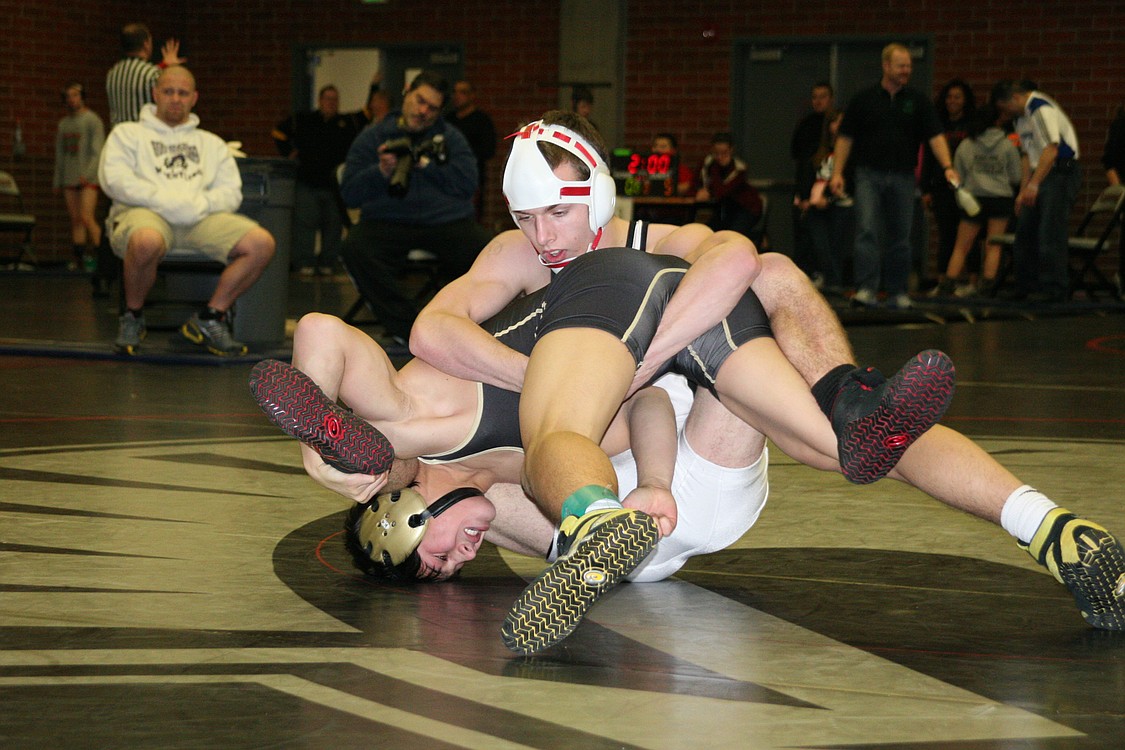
606	504
1024	511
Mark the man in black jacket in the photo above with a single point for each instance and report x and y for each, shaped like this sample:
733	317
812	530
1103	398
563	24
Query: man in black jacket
319	142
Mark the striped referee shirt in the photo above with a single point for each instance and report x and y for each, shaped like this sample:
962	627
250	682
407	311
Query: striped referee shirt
128	84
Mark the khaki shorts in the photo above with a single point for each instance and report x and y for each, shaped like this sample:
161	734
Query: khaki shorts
214	237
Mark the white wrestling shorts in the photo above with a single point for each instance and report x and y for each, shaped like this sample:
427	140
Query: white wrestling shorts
716	506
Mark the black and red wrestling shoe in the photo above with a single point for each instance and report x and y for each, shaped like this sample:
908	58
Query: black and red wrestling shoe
297	405
876	419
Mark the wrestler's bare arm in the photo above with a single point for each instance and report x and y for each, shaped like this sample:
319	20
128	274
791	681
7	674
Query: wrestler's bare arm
724	264
447	333
654	441
348	364
358	487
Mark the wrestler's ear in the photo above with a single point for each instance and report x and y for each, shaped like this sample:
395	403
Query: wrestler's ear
603	199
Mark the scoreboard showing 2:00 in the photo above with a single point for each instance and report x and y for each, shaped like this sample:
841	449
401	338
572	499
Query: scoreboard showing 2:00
642	173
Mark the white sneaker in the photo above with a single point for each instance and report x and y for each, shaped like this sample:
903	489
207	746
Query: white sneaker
864	298
901	302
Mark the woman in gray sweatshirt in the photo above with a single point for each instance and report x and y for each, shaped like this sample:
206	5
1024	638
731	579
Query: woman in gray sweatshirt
989	165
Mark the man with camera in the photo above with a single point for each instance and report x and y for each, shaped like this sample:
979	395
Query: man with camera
412	177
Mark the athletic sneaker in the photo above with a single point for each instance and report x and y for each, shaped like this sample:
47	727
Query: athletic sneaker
213	334
864	298
1088	560
131	332
596	551
293	402
900	302
944	288
876	420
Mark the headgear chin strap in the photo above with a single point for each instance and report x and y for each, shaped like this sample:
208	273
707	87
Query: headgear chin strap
530	183
394	523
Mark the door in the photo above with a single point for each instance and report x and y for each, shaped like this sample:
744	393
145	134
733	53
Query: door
351	68
771	83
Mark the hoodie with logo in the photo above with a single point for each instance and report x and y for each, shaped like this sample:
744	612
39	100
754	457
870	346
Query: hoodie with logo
182	173
989	164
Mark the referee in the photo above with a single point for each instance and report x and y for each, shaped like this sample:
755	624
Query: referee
129	82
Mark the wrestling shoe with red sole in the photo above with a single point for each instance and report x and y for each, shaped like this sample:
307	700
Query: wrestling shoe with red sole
597	550
876	420
297	405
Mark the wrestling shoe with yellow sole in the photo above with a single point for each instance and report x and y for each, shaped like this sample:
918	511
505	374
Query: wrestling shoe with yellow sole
1088	560
596	551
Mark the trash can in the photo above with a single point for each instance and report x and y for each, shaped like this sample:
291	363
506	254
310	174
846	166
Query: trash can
268	186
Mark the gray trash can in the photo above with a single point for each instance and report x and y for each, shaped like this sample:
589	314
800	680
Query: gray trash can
268	186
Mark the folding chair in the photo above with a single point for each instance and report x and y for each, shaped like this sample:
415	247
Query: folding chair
1084	249
18	222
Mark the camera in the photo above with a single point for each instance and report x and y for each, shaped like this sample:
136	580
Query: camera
408	154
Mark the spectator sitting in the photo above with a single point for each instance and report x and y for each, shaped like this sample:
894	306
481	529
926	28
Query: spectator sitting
722	181
665	143
176	185
413	179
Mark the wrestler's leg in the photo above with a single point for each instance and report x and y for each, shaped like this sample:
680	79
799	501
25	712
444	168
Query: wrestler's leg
719	436
806	328
948	466
874	418
1080	554
348	364
759	386
566	405
340	448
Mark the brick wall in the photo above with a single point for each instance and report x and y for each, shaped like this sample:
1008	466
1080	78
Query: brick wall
44	45
677	70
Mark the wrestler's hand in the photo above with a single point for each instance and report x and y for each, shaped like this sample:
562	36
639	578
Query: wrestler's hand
658	503
358	487
645	374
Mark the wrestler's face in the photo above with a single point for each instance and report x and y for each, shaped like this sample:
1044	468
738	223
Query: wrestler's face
453	538
560	231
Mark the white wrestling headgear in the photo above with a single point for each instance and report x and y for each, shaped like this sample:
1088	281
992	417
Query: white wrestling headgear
530	183
394	523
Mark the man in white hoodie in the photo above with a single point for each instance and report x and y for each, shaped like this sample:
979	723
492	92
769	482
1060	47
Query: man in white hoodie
176	185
